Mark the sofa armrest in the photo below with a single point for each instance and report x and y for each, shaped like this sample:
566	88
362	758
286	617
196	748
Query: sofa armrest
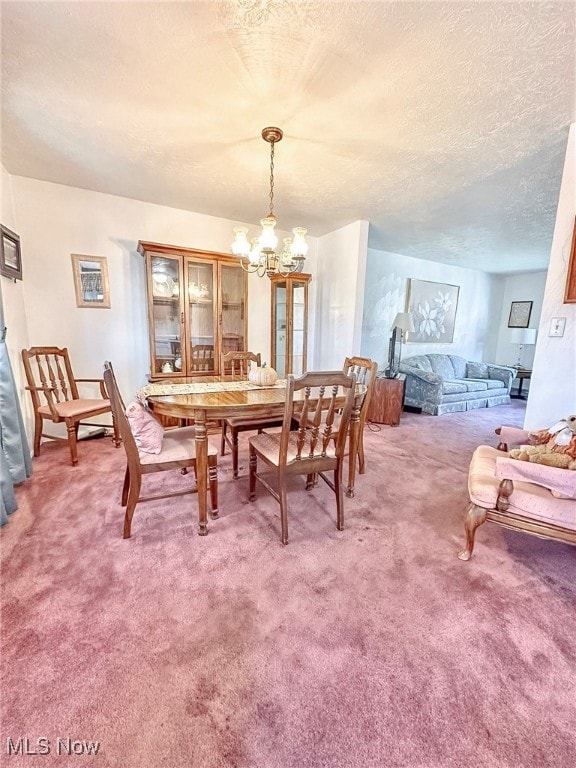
502	373
561	482
427	376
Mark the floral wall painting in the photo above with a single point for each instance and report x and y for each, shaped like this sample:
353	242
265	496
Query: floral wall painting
433	309
520	312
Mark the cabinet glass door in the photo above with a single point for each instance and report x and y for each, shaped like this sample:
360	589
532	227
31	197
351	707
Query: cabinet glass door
280	330
166	328
298	327
232	283
200	284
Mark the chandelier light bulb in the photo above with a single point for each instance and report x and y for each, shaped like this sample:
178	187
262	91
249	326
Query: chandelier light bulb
268	239
255	253
299	245
241	246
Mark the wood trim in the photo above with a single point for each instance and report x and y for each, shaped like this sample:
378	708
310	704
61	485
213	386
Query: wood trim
570	293
178	250
539	528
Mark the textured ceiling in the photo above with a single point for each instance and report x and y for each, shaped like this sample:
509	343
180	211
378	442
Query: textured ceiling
442	124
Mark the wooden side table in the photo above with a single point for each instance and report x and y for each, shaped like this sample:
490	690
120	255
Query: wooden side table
387	400
521	374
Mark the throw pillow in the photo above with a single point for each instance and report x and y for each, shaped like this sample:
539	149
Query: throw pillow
147	430
477	371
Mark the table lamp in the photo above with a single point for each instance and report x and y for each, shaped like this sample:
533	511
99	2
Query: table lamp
402	322
522	336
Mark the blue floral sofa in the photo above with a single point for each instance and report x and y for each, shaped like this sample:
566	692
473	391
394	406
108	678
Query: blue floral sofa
447	383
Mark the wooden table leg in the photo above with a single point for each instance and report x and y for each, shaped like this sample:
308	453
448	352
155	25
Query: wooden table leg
202	470
353	447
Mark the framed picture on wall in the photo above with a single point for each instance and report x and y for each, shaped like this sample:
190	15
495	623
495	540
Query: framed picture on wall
433	309
10	257
91	281
520	312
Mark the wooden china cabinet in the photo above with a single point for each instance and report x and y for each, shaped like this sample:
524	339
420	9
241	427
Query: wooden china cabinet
289	323
197	309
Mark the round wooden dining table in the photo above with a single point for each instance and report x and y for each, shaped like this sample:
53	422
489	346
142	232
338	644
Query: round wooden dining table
204	404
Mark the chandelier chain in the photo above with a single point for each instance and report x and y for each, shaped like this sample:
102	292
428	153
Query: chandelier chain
272	177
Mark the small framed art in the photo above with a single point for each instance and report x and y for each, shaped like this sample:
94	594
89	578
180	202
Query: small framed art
91	281
10	256
520	312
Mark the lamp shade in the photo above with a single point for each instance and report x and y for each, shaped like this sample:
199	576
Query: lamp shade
403	320
523	336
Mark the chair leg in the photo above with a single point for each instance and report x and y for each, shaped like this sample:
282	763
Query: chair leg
338	489
253	463
126	486
133	496
474	518
213	484
223	440
283	508
37	433
234	453
361	464
72	438
116	431
311	480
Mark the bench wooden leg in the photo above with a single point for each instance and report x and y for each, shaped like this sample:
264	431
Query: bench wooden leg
474	517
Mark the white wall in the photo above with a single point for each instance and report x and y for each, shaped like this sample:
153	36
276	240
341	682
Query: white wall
339	295
553	385
526	287
477	315
54	222
12	296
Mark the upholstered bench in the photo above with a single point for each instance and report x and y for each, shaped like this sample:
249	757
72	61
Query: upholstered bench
520	495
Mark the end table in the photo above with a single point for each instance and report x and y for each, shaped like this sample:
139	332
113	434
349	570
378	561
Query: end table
387	400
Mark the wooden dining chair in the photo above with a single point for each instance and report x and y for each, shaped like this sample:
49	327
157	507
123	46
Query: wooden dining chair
236	366
365	370
202	358
315	447
55	397
176	450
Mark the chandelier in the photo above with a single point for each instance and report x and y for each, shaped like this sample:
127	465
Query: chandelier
261	255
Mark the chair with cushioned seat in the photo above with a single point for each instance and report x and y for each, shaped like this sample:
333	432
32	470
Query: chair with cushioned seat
315	447
50	378
520	495
151	449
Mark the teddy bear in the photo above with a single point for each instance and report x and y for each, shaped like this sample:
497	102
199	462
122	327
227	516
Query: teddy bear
555	447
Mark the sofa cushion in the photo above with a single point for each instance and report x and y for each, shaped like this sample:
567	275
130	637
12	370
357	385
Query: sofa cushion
459	365
442	365
473	385
454	388
477	371
419	361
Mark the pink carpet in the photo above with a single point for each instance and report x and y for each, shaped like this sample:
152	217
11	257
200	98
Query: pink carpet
371	647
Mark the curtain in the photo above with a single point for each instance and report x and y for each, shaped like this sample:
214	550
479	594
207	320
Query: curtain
15	461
